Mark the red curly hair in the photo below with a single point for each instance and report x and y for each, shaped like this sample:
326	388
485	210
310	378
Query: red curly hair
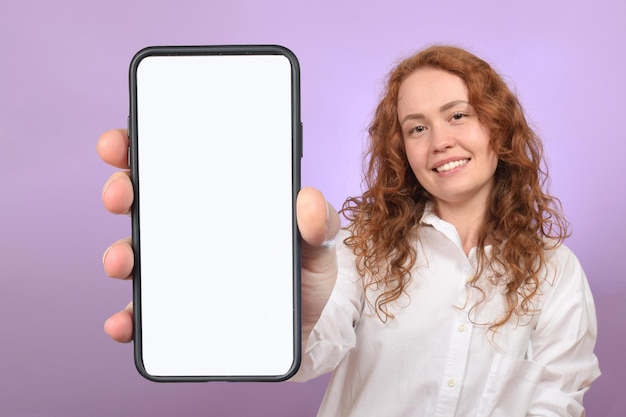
522	220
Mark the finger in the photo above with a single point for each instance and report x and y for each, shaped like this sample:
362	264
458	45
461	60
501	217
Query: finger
318	220
318	223
118	259
117	193
112	147
120	325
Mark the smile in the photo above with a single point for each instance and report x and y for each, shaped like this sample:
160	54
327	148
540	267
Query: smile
451	165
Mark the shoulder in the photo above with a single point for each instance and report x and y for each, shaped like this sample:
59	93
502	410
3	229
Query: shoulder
565	277
561	260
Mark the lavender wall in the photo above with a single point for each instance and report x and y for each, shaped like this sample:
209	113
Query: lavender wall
63	80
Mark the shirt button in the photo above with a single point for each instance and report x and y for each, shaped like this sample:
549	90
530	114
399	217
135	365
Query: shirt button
451	382
462	327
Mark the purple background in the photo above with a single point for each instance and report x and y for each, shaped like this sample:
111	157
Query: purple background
63	81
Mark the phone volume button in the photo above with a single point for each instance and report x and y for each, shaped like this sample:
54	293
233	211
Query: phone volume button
301	140
128	134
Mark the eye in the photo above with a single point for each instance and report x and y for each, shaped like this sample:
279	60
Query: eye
458	116
415	130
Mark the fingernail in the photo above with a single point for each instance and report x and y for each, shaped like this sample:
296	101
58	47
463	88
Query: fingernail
106	185
327	212
105	254
330	243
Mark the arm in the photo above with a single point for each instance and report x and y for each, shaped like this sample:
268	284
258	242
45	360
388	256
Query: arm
334	335
564	340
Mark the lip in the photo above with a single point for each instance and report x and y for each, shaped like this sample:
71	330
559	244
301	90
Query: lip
447	161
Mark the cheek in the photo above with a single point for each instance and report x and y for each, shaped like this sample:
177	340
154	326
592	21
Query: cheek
418	165
492	157
416	156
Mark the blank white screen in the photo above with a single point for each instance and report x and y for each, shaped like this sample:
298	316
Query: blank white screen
215	216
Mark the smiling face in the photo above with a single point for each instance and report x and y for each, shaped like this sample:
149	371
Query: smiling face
448	149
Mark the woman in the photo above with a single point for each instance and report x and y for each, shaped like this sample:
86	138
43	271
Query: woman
450	291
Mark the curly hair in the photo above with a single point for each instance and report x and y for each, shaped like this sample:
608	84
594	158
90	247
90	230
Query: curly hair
522	220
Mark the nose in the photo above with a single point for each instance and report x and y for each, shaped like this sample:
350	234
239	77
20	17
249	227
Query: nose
442	138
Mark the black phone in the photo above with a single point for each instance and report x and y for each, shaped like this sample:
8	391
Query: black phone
215	147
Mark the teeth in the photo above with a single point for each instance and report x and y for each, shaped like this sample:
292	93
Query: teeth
451	165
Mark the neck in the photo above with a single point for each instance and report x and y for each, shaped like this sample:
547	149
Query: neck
467	218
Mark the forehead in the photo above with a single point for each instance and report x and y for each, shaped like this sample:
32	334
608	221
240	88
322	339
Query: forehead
427	89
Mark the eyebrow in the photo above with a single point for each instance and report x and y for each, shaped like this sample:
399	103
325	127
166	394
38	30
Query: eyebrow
442	109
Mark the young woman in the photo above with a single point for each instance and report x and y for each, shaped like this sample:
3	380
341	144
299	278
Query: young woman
450	292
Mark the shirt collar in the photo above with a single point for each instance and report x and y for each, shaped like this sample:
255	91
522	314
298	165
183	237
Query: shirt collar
430	218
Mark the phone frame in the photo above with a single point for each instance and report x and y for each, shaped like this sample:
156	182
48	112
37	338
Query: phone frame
296	155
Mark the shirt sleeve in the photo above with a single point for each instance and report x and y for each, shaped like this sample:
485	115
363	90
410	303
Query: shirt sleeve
334	334
564	340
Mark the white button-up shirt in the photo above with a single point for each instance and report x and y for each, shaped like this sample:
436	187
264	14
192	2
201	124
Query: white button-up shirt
437	357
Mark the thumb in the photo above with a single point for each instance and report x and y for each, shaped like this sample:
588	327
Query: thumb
318	222
317	219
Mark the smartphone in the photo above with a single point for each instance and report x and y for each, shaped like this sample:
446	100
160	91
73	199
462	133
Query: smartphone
215	147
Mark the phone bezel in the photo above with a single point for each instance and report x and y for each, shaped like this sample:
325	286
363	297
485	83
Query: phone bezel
296	152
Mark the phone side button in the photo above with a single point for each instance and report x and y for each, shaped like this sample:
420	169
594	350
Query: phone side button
301	140
128	133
